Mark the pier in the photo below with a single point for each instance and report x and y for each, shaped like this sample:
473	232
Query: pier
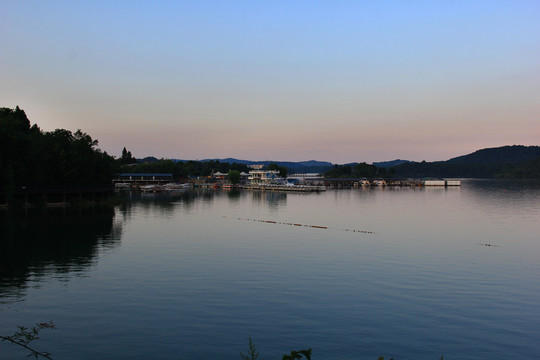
297	188
348	183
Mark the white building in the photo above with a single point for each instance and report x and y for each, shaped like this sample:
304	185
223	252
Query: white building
264	177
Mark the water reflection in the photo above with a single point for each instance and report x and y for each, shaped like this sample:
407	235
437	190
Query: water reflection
199	272
234	194
274	199
511	196
57	242
165	203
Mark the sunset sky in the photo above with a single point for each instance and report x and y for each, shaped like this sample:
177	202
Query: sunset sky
338	81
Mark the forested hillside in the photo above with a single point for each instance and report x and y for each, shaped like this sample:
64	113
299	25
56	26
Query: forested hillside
516	161
29	156
503	154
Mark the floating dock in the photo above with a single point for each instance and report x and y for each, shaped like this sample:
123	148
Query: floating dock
442	183
297	188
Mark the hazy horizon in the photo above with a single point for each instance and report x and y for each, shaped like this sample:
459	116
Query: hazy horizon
286	81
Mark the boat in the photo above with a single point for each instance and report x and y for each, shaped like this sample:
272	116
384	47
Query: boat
122	186
174	187
151	188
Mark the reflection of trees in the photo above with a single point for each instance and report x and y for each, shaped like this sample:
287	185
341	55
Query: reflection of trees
234	195
60	242
517	195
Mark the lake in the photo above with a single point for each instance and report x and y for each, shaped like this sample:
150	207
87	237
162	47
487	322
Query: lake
408	273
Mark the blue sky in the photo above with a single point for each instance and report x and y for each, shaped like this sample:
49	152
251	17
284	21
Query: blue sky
339	81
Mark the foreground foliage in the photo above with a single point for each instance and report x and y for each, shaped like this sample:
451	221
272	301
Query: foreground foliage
24	336
253	354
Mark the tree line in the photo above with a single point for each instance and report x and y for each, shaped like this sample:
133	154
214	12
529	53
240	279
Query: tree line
30	156
361	170
181	169
501	170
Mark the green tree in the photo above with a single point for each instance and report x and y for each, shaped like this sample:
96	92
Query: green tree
127	158
364	170
252	353
282	170
234	176
58	157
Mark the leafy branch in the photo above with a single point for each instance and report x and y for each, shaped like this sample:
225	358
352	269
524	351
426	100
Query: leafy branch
252	353
25	336
298	355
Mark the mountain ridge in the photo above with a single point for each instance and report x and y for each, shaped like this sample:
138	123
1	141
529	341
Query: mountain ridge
505	154
510	161
487	162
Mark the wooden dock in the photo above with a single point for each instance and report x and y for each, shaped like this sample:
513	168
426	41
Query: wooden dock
349	183
297	188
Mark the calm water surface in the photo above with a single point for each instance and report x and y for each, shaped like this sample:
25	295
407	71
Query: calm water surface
404	273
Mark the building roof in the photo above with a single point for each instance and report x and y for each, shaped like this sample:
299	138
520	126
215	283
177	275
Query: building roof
144	174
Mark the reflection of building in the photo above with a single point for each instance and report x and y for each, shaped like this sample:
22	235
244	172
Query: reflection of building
264	177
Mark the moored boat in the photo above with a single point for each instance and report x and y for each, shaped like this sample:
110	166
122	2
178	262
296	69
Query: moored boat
151	188
174	187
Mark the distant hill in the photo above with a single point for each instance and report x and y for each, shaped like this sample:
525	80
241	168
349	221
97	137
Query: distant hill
389	164
515	161
504	154
148	159
526	170
310	166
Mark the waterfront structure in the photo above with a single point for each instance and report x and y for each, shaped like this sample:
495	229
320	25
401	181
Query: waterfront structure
143	178
265	177
269	180
219	175
306	179
244	177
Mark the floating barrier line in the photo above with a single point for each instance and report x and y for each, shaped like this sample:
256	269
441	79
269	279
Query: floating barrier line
303	225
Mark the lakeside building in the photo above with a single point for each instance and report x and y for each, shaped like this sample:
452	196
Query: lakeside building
265	177
244	177
306	179
219	175
143	178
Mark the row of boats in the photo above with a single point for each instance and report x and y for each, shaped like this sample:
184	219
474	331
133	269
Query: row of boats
154	188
